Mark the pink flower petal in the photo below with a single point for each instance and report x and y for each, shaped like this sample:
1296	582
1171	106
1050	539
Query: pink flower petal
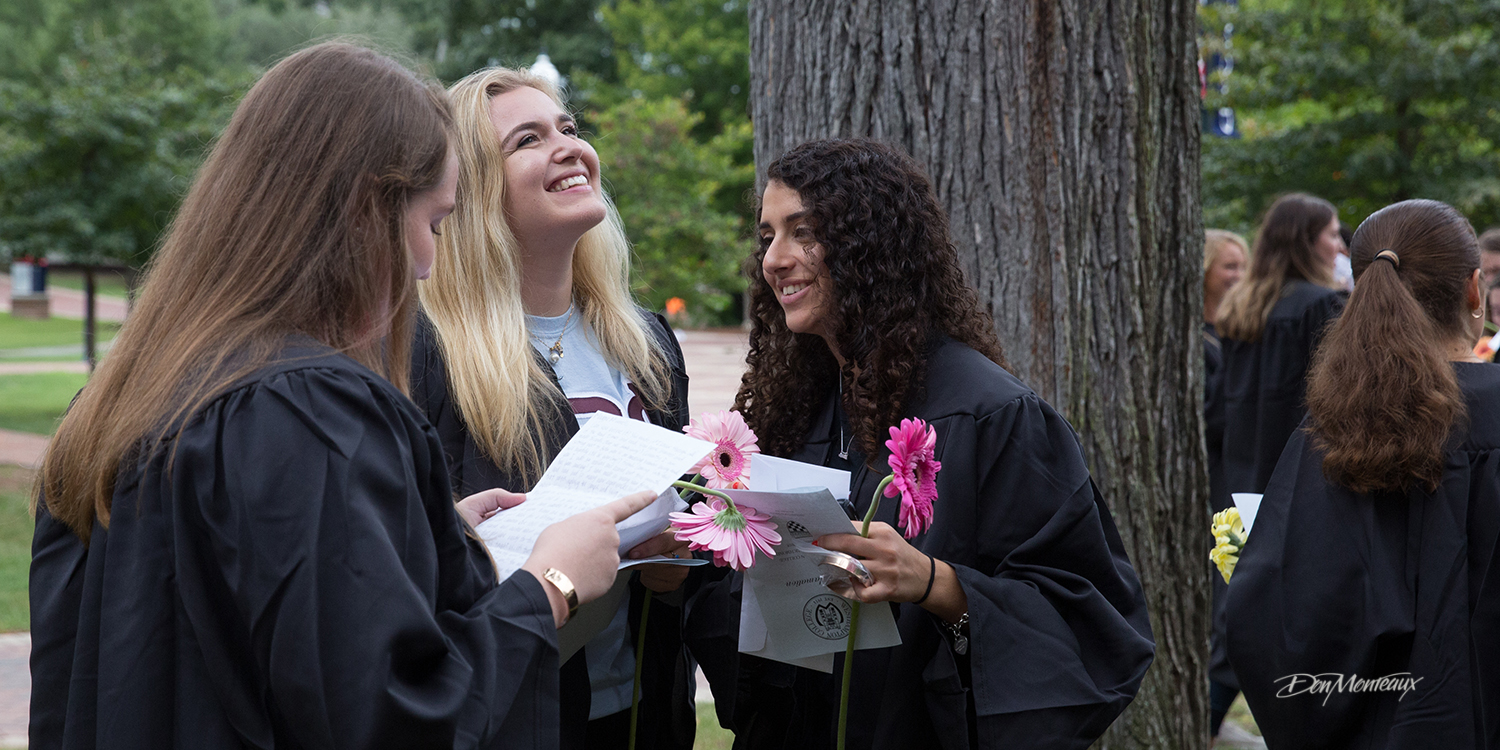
914	468
734	443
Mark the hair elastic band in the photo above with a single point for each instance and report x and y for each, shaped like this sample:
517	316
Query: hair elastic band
1389	255
931	576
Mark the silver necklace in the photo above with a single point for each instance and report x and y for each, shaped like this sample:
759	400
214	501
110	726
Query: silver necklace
843	444
555	352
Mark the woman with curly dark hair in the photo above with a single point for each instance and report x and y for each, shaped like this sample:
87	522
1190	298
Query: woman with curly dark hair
1022	622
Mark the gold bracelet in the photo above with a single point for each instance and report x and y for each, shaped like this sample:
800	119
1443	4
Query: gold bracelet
565	587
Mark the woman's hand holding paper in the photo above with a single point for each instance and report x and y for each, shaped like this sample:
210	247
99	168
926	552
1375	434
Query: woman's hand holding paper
661	579
901	571
585	548
481	505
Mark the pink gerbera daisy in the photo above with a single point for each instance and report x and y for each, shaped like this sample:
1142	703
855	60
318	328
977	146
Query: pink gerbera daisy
734	443
914	468
732	534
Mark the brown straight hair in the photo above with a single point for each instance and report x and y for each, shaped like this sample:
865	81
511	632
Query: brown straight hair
1283	250
1381	393
294	225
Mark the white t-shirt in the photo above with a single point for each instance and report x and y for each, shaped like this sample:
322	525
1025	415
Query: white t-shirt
592	386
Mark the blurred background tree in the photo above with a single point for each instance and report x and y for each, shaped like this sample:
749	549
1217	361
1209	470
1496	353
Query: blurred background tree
109	105
1363	102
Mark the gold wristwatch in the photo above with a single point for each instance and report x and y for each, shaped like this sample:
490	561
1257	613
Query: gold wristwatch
564	587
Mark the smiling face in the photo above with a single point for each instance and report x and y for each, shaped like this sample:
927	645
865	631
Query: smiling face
1227	268
425	211
793	262
551	174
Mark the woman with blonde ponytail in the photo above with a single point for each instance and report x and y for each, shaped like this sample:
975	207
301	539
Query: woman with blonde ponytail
1371	563
1270	324
529	329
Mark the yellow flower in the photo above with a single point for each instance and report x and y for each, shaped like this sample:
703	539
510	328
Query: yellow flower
1229	540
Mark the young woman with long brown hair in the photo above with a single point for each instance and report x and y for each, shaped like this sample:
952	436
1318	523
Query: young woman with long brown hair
1269	325
1022	622
1364	611
245	533
529	329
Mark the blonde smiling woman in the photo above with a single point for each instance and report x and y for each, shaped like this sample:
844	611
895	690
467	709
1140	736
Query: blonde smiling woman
530	330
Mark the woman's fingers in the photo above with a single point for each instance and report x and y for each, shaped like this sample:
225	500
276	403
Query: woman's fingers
665	543
889	558
851	544
663	579
628	506
482	505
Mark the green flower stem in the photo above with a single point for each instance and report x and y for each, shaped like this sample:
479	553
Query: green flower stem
640	652
640	639
706	491
864	531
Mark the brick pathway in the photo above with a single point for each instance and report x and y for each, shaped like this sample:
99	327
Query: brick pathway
715	360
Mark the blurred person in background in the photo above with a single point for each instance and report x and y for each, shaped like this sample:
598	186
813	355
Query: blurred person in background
1225	256
1270	324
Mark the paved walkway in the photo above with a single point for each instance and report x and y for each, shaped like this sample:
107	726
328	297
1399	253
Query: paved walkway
69	303
15	688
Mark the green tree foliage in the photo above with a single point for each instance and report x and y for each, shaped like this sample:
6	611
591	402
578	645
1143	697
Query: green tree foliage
1364	102
257	34
663	182
512	32
110	104
677	146
97	145
698	50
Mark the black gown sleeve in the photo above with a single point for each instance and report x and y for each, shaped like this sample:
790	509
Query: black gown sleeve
1059	635
1334	586
316	525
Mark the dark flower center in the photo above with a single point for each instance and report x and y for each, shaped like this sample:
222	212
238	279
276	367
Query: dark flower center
725	460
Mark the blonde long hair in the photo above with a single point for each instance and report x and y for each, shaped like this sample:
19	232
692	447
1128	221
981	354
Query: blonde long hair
294	225
474	295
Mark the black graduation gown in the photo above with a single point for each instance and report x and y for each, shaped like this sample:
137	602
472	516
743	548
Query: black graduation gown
1213	433
297	578
1265	383
667	716
1058	631
1336	583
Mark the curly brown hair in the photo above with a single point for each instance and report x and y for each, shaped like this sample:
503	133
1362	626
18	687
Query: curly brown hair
897	288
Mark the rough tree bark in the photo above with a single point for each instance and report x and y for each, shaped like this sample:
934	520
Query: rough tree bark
1062	137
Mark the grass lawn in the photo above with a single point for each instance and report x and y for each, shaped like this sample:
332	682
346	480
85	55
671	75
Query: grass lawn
711	736
15	547
18	333
33	403
104	283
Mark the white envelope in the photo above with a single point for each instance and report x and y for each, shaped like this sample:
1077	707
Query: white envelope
786	612
1249	505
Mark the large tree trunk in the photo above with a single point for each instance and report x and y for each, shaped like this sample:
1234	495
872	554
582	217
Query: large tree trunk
1062	137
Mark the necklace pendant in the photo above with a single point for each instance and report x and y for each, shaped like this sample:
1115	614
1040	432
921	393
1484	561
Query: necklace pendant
844	454
961	645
